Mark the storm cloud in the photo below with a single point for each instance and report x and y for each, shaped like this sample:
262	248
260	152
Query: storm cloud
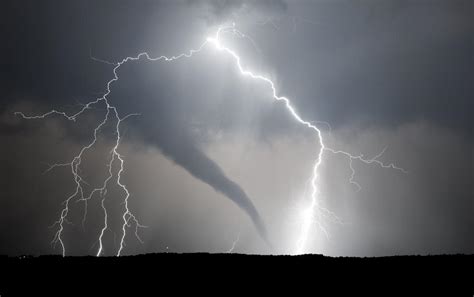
221	11
395	74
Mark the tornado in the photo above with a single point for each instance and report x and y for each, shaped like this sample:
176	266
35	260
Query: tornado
189	156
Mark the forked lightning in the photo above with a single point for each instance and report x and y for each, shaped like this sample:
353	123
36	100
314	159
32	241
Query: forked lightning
312	213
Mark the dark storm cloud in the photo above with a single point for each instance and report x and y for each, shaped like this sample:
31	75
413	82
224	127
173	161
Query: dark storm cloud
219	11
384	62
383	73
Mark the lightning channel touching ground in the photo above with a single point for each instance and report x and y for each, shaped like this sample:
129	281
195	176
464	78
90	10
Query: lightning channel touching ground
313	209
313	213
234	243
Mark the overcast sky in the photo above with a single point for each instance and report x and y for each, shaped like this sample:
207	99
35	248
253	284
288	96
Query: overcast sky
212	160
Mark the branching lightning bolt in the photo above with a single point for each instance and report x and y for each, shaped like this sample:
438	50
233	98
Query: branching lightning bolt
308	215
127	216
314	207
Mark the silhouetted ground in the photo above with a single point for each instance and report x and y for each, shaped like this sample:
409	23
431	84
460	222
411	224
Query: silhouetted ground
229	274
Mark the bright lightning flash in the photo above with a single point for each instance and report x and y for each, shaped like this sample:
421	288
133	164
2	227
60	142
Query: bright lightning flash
307	216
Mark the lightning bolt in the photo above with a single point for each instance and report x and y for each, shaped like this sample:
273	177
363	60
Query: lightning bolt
234	243
112	114
311	213
314	208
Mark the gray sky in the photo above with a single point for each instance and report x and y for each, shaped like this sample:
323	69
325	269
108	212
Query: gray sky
395	74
